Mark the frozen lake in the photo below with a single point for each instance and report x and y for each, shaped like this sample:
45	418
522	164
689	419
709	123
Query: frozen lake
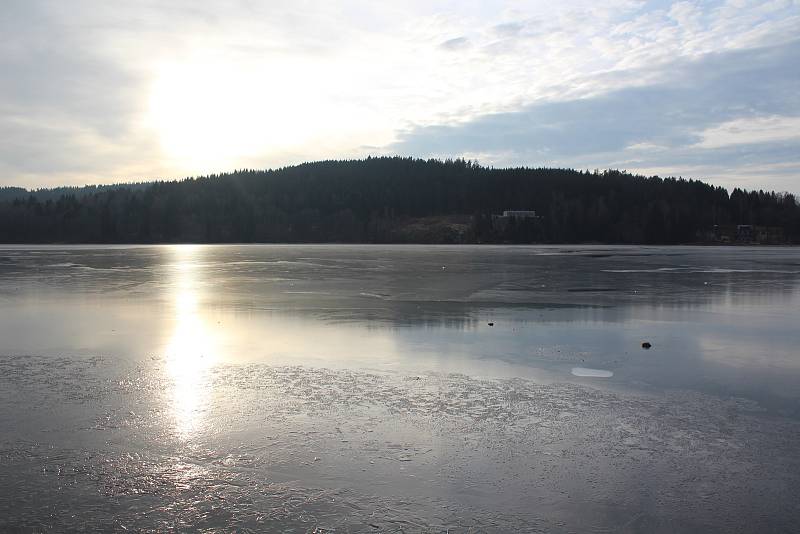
400	388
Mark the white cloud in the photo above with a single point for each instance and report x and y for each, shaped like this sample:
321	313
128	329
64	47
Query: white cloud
747	131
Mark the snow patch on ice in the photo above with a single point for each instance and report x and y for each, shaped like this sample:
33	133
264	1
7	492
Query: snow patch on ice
595	373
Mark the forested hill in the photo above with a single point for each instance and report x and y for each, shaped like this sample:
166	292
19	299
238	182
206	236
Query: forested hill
400	200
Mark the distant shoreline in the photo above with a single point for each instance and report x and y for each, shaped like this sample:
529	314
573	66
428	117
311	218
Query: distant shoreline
403	200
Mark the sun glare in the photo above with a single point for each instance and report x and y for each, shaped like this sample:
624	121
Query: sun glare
192	348
209	115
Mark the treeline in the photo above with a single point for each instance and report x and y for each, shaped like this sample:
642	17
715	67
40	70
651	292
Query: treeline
379	199
54	193
12	193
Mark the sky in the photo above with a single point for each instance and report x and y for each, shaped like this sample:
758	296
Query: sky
93	91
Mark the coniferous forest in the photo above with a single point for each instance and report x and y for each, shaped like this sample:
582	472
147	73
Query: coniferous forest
400	200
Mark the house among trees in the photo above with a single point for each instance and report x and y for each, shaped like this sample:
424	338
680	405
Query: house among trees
745	233
519	214
501	222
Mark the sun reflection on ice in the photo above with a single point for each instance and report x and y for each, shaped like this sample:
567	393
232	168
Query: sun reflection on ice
191	351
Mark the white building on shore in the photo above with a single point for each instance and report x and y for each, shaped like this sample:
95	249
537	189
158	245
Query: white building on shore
500	222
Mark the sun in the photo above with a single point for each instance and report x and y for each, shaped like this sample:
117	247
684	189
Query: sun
209	115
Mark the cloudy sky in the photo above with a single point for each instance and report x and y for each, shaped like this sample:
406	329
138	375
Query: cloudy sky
95	91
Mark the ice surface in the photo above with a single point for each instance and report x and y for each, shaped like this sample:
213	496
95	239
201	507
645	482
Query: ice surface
95	445
360	389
